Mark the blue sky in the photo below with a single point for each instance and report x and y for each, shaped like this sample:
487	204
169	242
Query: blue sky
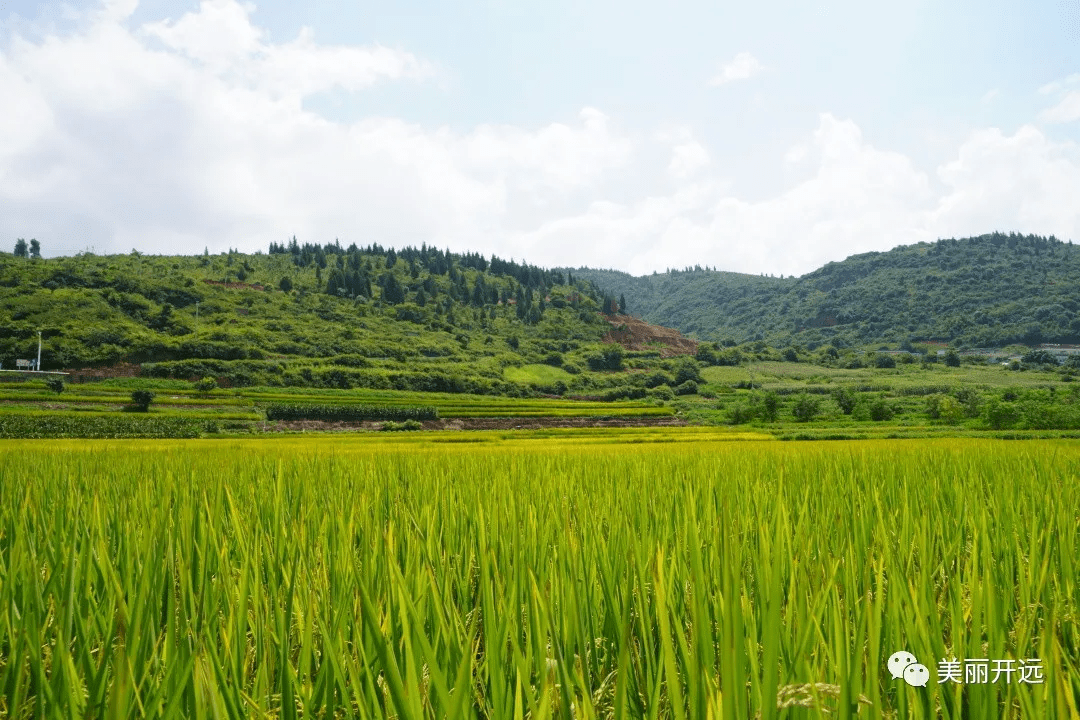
757	137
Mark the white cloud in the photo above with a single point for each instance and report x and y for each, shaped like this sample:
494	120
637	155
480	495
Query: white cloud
1067	110
221	37
741	67
688	156
1024	181
219	34
859	199
1059	85
182	134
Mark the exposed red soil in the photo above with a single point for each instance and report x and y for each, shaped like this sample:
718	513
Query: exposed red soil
636	334
538	423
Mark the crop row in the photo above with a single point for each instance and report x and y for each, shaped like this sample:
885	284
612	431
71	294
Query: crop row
99	426
348	413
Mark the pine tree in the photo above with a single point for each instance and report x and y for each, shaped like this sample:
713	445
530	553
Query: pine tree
35	249
20	248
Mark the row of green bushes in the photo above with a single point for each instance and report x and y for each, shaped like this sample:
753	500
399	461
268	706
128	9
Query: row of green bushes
119	426
1033	409
246	373
348	413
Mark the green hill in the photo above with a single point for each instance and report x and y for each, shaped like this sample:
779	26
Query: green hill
414	319
986	291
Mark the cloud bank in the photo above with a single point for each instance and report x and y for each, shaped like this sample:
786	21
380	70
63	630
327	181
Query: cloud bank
181	134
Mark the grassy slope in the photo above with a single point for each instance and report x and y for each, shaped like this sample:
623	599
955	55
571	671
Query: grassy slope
102	310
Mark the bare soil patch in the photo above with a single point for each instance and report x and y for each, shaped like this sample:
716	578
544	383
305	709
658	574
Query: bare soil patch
636	334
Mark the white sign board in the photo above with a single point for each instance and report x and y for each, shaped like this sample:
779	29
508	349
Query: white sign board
24	364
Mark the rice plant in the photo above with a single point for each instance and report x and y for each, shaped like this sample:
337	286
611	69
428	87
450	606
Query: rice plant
549	578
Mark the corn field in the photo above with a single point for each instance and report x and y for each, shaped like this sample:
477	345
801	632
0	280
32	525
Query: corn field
548	578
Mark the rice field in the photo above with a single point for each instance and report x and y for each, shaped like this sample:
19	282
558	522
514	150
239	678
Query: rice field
655	573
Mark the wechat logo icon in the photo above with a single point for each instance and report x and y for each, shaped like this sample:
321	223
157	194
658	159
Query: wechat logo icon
903	664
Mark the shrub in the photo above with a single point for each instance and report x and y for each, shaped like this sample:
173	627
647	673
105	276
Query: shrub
659	378
554	359
970	401
729	358
141	399
884	361
741	413
687	370
952	359
624	393
663	392
55	384
944	407
407	425
1039	357
285	284
687	388
610	358
706	354
846	399
806	407
770	406
880	410
1000	415
206	384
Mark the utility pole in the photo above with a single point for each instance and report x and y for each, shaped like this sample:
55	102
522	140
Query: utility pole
38	366
196	318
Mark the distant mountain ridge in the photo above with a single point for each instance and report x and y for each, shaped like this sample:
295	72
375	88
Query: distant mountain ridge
990	290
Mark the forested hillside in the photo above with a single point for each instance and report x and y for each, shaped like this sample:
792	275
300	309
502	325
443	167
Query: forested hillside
421	319
986	291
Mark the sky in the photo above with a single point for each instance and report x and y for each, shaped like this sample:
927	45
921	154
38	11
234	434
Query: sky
768	137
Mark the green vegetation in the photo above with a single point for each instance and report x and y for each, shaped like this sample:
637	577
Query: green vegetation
218	339
544	375
347	413
141	399
307	315
989	291
627	574
96	426
248	409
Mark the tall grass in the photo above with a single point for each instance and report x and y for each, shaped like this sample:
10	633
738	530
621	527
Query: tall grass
345	578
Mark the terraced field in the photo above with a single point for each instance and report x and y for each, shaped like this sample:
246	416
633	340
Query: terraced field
23	404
